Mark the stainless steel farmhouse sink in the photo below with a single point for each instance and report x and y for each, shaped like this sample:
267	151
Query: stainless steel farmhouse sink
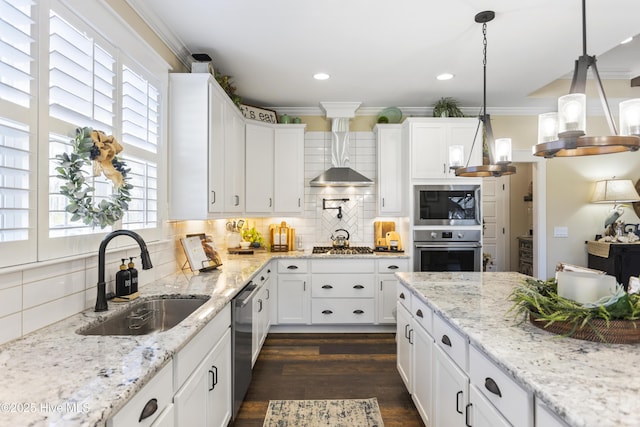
146	317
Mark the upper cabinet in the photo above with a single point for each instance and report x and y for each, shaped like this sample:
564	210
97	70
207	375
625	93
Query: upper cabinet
430	139
274	168
206	149
392	154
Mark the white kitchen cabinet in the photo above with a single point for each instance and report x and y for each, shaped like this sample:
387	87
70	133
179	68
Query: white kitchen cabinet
387	286
234	159
392	183
500	390
274	168
294	292
430	138
544	417
450	391
481	413
422	360
202	375
156	393
404	332
206	149
261	312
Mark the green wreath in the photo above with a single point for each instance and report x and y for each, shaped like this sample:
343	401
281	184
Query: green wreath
94	148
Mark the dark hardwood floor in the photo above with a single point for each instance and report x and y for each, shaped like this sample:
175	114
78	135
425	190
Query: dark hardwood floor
329	366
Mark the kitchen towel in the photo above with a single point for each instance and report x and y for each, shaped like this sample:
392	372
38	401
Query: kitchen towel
320	413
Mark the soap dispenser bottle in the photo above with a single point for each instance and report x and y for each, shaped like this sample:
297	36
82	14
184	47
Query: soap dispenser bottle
134	275
123	280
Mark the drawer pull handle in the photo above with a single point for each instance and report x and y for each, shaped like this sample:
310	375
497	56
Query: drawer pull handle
419	313
406	333
292	267
491	385
358	312
446	341
466	415
458	394
358	287
393	267
260	303
327	312
401	295
327	287
149	409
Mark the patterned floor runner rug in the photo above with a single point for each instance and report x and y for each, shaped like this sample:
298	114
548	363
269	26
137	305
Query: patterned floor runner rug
321	413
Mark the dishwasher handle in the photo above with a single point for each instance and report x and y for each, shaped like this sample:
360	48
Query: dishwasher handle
246	295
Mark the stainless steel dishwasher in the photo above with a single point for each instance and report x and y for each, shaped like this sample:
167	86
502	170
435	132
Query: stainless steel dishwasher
241	341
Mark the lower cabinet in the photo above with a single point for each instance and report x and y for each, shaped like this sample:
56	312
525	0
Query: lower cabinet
202	376
481	413
404	339
387	284
450	391
261	319
422	361
294	292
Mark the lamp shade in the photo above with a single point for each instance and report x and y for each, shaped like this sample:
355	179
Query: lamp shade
615	191
572	114
630	117
456	156
547	127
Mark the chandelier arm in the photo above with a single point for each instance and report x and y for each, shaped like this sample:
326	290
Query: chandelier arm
603	100
473	144
491	145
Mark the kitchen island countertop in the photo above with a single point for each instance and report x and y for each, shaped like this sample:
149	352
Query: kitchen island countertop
584	383
54	376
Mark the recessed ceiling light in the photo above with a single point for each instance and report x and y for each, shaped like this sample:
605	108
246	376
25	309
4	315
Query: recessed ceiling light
321	76
445	76
627	40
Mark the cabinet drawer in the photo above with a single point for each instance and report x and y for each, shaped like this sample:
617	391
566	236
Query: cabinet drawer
292	266
392	265
404	296
342	286
422	314
451	342
188	358
160	388
327	310
514	402
343	266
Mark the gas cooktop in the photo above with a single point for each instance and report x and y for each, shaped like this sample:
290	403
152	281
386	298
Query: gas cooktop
351	250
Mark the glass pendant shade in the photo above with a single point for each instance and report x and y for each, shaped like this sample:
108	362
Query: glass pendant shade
547	127
572	115
630	117
503	150
456	156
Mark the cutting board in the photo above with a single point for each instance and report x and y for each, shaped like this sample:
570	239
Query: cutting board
380	230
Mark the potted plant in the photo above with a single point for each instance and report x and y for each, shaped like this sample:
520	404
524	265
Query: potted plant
254	236
447	107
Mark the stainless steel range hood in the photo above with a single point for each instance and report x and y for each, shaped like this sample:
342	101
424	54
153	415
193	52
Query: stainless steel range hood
340	174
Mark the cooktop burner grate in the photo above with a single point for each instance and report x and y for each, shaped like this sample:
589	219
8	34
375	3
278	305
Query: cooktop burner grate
352	250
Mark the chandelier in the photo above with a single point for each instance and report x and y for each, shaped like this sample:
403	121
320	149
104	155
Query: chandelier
500	149
563	134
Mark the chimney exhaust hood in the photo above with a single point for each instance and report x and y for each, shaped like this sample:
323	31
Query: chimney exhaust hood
340	174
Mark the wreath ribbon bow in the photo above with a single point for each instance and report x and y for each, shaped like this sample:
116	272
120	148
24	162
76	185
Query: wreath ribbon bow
107	148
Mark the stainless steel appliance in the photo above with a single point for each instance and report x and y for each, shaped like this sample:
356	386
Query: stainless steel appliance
446	205
241	341
353	250
447	250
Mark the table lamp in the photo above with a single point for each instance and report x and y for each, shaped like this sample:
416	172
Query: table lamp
615	191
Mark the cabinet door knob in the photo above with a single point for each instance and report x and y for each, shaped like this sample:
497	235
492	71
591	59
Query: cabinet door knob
419	313
358	287
401	295
446	341
491	385
358	312
149	409
327	287
327	312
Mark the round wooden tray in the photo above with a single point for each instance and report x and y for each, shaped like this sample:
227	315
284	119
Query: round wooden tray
617	332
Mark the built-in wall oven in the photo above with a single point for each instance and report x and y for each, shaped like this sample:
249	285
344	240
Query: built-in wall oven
447	250
454	204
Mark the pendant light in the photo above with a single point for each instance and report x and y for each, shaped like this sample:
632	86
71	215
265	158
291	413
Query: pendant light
500	149
563	134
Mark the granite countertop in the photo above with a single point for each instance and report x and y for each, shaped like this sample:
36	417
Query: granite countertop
584	383
54	376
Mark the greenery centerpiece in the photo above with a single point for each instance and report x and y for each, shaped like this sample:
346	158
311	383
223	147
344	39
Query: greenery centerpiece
254	236
616	320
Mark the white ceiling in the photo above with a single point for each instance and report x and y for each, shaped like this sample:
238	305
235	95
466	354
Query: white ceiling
388	53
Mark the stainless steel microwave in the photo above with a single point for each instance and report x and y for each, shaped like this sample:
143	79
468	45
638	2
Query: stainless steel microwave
447	205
